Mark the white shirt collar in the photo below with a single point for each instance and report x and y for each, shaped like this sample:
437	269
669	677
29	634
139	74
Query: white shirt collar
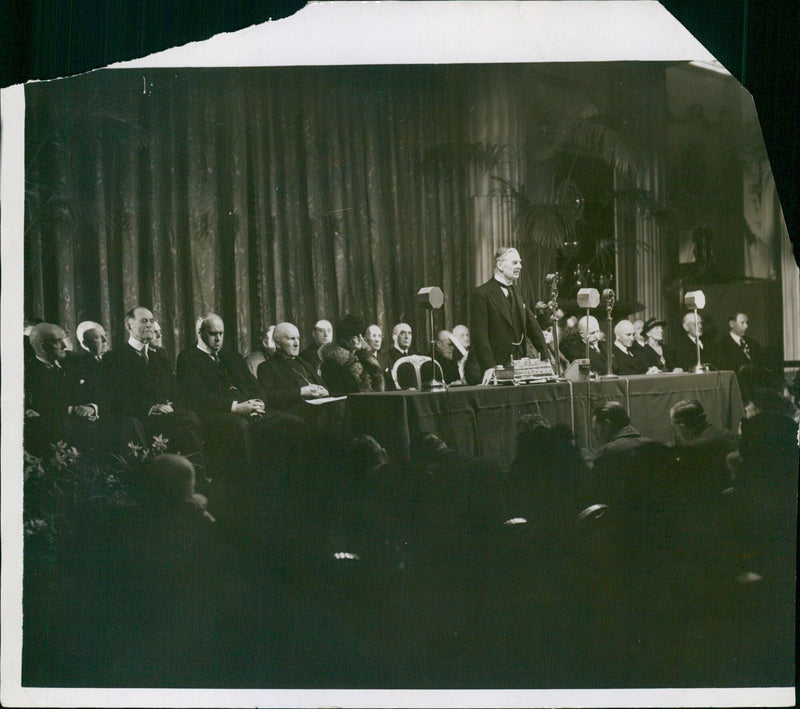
49	364
618	345
503	281
694	340
136	344
203	347
736	338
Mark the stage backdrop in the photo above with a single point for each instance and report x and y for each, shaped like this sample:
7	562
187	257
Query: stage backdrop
298	193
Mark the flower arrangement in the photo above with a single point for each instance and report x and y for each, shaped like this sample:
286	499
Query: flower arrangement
62	485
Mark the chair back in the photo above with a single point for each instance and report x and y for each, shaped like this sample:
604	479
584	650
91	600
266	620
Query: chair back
415	361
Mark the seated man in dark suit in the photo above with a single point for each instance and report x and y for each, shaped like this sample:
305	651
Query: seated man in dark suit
686	345
242	433
287	379
322	334
623	360
402	337
701	449
141	385
447	371
736	349
573	346
626	467
373	339
87	380
50	413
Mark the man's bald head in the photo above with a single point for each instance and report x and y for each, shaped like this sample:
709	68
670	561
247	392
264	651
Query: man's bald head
444	344
462	333
211	330
287	339
322	332
624	332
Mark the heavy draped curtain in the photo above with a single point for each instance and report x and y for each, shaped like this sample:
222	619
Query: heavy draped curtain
288	193
263	194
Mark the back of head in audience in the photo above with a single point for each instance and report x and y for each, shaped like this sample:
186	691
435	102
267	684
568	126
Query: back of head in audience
365	453
609	418
170	482
689	419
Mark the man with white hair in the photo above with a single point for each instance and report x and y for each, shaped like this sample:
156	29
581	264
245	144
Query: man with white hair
686	345
86	371
240	429
287	379
574	346
623	360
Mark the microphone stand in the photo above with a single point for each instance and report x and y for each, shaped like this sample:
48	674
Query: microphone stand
588	354
553	279
610	297
699	367
435	385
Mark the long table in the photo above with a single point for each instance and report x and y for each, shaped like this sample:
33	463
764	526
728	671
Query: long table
481	420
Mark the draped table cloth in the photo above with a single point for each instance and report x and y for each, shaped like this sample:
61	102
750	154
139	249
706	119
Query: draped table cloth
481	420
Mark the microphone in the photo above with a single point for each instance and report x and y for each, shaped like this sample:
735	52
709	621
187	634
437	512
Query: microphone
609	294
551	278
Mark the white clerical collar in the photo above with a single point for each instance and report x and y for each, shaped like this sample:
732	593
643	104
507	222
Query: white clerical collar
136	344
736	338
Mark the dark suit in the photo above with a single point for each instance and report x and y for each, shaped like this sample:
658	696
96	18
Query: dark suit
497	323
48	392
574	347
449	370
234	441
88	383
731	355
87	380
628	474
626	363
686	353
136	384
701	462
282	377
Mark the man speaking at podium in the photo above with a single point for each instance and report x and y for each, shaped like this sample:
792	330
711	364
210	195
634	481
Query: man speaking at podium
500	320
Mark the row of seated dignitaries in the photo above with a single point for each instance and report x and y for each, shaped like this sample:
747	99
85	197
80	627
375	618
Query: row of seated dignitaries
102	401
650	354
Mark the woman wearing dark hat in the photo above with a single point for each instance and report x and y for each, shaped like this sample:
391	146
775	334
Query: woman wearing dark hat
654	353
344	369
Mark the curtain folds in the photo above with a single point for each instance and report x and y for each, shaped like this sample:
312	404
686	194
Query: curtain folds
262	194
272	194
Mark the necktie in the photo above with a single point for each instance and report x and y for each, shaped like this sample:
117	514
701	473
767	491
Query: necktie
143	354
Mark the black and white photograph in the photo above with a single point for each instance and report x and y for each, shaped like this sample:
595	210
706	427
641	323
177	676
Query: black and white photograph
326	370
